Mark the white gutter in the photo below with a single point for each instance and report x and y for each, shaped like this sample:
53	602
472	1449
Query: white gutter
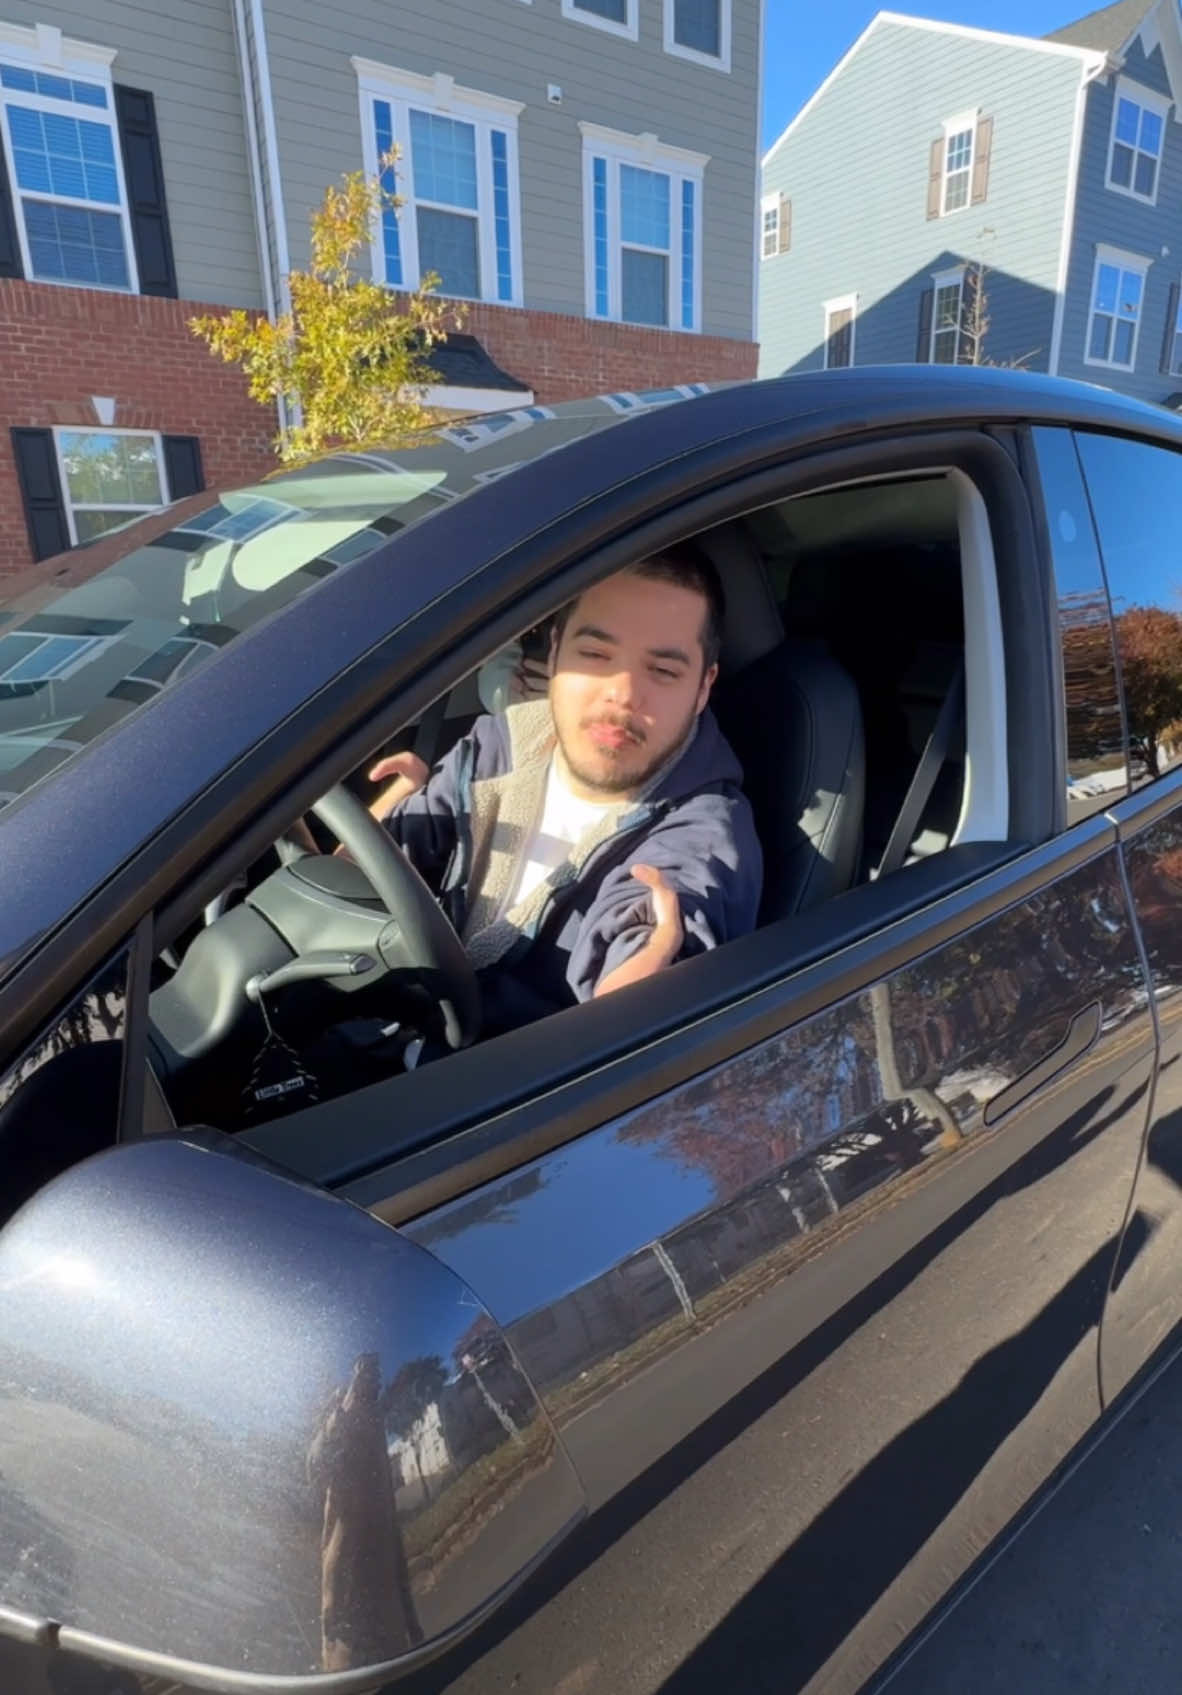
271	154
1092	68
757	220
254	161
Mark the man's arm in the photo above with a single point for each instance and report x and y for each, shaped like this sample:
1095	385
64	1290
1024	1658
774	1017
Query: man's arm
410	774
418	807
697	885
665	940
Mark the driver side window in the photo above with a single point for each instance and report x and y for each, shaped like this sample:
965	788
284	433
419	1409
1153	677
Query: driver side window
847	608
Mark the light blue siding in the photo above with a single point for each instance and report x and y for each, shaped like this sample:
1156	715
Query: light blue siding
855	169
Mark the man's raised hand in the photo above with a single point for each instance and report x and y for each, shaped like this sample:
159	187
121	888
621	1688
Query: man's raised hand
409	773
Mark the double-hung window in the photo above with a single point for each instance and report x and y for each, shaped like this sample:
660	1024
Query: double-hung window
699	30
62	144
1135	145
108	477
959	140
643	224
457	177
619	17
1118	294
947	317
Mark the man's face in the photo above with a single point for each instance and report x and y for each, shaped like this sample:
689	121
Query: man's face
629	679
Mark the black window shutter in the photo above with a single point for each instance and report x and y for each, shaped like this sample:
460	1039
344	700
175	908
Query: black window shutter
10	247
182	466
1167	346
923	340
144	174
41	491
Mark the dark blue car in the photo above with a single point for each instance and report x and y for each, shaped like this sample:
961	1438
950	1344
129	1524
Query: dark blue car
699	1337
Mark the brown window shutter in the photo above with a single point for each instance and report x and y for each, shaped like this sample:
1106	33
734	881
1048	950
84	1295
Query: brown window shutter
923	340
1167	346
982	148
784	239
935	176
839	344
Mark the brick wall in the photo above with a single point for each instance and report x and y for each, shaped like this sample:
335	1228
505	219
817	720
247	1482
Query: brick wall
60	346
564	358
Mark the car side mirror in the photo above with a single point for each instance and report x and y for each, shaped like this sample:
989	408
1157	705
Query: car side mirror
250	1433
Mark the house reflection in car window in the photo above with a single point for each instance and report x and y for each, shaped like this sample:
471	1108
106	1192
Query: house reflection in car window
1136	496
1097	768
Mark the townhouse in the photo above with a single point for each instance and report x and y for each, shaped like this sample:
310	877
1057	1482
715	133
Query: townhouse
954	194
582	174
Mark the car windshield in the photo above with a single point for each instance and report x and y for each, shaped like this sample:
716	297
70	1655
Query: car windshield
94	635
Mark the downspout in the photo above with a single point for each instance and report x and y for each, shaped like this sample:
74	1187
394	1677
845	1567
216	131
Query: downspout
1091	70
263	159
757	220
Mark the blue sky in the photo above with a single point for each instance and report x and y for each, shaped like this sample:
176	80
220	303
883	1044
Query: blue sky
799	56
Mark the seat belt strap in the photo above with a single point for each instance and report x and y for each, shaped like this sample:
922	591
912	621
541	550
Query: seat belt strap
931	763
426	741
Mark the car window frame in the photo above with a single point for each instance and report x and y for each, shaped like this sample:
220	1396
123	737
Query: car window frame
678	1003
453	633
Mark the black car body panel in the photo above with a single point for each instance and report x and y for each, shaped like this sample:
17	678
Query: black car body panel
802	1268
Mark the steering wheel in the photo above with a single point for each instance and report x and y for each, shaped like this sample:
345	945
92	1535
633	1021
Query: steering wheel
425	944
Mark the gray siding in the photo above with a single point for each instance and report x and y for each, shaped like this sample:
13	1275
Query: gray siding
185	56
856	171
1105	216
511	50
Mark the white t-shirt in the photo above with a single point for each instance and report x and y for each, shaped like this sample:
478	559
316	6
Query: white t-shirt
565	818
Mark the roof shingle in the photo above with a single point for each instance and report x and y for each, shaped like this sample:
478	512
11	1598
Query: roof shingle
1106	30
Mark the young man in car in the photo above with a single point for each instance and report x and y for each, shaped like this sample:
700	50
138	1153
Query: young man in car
586	839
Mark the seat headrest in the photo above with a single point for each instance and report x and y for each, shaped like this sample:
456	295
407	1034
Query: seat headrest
752	626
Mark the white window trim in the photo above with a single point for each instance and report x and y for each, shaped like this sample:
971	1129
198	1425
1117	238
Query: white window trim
441	94
1176	338
954	276
630	30
45	48
1152	102
841	303
769	203
130	507
723	61
1138	262
650	154
954	126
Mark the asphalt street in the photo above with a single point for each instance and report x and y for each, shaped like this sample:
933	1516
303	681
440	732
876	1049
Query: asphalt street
1086	1599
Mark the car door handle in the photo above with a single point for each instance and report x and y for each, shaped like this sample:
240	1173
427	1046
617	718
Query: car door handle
1081	1033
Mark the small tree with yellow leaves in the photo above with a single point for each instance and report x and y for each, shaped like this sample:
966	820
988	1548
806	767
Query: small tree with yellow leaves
350	357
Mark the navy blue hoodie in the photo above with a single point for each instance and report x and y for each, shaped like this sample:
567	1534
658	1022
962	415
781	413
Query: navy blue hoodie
467	829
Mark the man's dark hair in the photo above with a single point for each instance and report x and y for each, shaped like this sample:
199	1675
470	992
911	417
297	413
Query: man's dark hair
686	568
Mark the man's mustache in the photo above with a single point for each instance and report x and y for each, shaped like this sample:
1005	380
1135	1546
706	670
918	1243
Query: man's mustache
615	721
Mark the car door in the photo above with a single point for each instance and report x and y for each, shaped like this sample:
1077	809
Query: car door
801	1291
815	1320
1135	493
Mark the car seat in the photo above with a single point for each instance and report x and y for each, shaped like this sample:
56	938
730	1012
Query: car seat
793	717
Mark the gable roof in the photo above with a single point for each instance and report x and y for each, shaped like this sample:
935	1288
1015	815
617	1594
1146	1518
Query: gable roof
1108	29
1088	56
